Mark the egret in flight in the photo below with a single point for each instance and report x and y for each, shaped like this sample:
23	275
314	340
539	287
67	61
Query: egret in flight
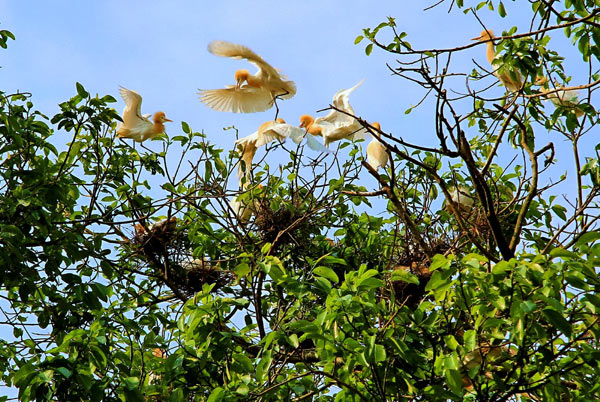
251	93
135	125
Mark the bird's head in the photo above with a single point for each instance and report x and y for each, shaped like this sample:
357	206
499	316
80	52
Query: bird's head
306	121
241	76
540	80
377	127
160	117
485	36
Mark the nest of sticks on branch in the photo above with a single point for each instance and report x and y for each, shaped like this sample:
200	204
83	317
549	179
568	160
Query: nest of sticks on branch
414	261
281	226
164	246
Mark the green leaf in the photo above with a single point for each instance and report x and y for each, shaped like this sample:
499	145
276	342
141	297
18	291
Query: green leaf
81	90
470	338
454	378
263	366
242	269
562	253
293	340
358	39
527	306
451	342
369	283
500	268
404	276
326	272
176	395
439	261
501	10
131	383
558	321
587	238
369	49
216	395
560	211
185	127
379	354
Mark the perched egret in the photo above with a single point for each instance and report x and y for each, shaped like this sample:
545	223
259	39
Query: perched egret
561	98
249	144
461	196
376	153
509	77
337	125
251	93
270	131
135	125
244	209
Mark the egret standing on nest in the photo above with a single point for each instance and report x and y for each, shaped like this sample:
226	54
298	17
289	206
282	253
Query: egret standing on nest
260	91
509	77
135	125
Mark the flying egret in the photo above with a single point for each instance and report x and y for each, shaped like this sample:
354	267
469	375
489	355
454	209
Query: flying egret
135	125
376	152
337	125
260	90
561	98
509	77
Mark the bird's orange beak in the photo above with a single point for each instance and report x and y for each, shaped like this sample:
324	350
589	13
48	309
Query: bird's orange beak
168	120
478	38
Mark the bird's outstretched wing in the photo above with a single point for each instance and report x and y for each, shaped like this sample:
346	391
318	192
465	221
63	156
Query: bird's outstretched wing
315	145
297	134
133	102
341	100
247	99
235	51
282	130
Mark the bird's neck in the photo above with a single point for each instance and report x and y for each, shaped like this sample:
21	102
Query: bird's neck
266	125
491	51
314	129
253	81
159	127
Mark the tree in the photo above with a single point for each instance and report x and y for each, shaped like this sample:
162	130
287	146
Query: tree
113	292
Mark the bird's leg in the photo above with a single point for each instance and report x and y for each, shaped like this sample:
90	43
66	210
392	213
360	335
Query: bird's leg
276	107
274	100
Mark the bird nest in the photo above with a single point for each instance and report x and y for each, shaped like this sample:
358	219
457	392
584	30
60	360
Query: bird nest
414	261
281	225
410	293
165	247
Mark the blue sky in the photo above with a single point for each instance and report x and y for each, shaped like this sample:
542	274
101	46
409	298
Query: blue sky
159	50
